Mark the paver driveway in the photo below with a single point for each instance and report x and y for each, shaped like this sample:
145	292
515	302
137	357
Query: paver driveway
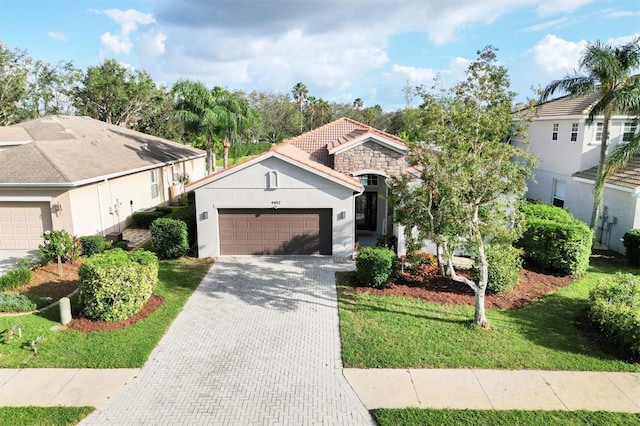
257	344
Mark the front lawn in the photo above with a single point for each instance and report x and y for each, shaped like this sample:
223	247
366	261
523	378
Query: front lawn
42	416
128	347
419	417
401	332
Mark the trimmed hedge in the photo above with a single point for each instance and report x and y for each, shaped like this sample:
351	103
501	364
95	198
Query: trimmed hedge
615	307
187	214
15	278
375	266
553	239
143	220
169	238
505	265
631	241
93	244
114	285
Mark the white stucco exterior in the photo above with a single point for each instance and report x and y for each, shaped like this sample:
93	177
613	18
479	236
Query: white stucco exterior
252	186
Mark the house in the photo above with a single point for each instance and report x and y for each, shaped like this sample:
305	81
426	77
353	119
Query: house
567	151
84	176
320	192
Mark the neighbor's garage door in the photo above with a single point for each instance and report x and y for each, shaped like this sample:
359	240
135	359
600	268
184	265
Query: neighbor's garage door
268	231
22	224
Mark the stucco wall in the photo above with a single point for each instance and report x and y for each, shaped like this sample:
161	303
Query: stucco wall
370	155
297	188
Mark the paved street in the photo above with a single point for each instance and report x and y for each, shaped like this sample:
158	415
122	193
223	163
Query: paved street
257	344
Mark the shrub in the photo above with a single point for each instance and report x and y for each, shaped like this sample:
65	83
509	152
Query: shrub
16	302
375	266
631	241
187	214
553	239
143	220
505	265
93	244
59	243
169	238
615	307
547	212
114	285
420	266
15	278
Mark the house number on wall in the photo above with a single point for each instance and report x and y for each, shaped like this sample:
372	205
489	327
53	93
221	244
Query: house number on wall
275	203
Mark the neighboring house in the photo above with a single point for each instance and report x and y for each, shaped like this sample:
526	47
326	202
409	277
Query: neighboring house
84	176
316	193
567	151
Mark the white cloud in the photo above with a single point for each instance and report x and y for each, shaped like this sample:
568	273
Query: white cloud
415	75
554	7
546	25
614	13
129	21
57	36
555	56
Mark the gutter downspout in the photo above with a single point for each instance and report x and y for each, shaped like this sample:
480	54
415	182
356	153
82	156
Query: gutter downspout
101	207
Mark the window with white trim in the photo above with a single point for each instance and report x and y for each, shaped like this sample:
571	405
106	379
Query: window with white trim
369	180
574	132
599	128
154	184
629	130
554	134
559	190
175	171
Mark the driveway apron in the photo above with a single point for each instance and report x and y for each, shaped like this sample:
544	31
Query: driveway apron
256	344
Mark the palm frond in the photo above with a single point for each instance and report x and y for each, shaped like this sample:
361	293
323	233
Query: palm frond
619	158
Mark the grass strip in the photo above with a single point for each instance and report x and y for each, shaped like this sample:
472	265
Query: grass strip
41	416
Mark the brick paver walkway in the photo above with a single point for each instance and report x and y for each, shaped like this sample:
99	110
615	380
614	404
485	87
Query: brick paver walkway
256	344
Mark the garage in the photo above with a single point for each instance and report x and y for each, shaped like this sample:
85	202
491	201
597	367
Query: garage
22	224
281	231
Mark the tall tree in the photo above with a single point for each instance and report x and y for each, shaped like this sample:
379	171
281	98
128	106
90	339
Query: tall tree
300	93
469	173
14	73
115	94
209	114
608	71
279	116
51	88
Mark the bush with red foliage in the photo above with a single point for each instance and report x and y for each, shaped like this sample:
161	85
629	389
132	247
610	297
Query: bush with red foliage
420	267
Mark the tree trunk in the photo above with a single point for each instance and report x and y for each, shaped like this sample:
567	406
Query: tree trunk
480	316
597	195
481	287
208	147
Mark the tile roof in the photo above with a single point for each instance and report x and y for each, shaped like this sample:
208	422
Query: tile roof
565	105
317	142
626	177
69	149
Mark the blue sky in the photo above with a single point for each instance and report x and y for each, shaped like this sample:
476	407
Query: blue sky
341	49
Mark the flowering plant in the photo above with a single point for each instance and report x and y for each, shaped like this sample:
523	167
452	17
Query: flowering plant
59	246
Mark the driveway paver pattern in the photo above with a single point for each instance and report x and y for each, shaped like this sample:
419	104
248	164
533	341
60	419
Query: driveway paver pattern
256	344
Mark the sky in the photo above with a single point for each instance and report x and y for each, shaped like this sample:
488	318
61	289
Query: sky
340	49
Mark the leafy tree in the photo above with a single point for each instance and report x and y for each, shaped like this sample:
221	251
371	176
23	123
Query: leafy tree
14	73
279	116
606	70
469	174
50	89
115	94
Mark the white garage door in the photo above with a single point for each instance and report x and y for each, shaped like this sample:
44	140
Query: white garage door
22	224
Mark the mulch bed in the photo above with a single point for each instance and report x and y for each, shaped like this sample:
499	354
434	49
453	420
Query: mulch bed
533	285
47	282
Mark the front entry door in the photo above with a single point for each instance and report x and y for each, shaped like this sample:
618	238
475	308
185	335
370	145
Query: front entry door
366	209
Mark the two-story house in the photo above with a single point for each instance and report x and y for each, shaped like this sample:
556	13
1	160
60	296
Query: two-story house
567	151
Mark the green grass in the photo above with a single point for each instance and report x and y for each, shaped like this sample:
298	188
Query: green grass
128	347
232	161
37	416
415	416
399	332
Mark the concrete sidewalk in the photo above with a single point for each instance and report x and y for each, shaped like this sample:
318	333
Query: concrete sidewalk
496	389
376	388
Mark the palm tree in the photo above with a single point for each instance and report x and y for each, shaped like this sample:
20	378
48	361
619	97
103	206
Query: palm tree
212	114
607	71
300	93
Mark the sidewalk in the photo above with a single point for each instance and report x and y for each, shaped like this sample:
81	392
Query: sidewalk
376	388
496	389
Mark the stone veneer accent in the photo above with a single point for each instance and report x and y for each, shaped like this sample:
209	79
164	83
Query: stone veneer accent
370	155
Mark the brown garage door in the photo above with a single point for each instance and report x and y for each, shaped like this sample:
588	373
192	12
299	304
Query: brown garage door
22	224
268	231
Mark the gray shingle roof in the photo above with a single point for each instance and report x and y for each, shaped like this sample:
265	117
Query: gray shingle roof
626	177
79	149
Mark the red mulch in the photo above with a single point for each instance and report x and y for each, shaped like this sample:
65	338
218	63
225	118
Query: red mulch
47	282
533	285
